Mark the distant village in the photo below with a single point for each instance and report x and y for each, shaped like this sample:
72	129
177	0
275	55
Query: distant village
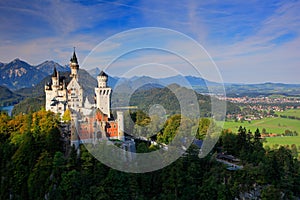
257	108
262	100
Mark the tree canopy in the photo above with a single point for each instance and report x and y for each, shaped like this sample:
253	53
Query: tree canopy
34	164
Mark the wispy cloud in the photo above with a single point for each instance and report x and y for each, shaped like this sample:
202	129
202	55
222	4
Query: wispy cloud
245	38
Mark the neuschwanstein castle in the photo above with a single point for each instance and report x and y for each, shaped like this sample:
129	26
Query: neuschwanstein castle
86	123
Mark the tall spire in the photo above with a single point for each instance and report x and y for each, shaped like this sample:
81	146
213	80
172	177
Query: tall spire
74	58
74	65
54	72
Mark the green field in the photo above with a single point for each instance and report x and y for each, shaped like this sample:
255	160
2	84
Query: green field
290	112
276	142
287	140
272	125
275	125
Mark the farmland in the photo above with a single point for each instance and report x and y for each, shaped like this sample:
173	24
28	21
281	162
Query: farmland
275	125
287	140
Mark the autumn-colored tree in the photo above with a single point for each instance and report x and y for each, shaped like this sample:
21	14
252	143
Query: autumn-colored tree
67	116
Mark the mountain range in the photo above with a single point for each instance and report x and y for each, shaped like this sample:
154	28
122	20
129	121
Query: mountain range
19	74
201	85
20	79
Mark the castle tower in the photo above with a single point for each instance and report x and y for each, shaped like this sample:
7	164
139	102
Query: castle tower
74	66
75	90
55	78
103	93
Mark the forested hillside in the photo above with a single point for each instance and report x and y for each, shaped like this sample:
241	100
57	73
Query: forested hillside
7	97
166	97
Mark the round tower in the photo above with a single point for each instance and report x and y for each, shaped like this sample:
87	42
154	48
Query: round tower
103	93
102	79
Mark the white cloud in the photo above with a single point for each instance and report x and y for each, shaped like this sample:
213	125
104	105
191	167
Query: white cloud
241	36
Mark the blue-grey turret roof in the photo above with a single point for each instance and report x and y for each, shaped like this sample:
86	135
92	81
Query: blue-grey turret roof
54	72
102	73
74	58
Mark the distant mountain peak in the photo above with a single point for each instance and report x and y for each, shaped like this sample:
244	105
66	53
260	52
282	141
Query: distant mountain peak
48	66
18	60
48	61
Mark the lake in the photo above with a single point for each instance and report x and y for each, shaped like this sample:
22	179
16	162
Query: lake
8	109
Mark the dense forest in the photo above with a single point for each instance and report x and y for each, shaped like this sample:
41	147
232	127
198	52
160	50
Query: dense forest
36	164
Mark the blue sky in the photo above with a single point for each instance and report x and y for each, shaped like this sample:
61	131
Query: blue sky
250	41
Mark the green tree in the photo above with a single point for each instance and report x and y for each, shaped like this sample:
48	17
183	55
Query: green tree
270	192
120	187
203	127
70	185
294	151
39	178
228	141
170	129
142	148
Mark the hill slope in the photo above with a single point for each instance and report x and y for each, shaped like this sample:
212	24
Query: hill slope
8	97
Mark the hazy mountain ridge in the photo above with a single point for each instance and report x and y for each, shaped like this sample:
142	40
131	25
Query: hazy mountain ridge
185	81
201	85
264	89
23	79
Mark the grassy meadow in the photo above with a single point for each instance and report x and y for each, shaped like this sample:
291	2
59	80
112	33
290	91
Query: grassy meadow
275	125
287	140
276	142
